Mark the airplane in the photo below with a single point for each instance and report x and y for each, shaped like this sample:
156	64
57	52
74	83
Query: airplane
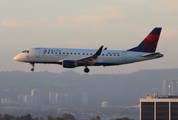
71	58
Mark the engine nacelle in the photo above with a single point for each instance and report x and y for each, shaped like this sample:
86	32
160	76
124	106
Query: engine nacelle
69	64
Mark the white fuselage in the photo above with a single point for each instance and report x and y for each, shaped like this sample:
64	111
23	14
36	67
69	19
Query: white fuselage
57	55
71	58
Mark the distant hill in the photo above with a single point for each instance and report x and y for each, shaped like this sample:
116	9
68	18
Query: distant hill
117	89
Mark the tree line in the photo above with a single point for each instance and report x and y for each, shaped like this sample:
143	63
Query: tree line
65	116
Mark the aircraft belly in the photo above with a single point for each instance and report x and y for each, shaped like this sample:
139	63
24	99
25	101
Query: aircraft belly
107	61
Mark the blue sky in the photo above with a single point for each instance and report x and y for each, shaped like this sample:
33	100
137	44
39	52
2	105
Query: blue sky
116	24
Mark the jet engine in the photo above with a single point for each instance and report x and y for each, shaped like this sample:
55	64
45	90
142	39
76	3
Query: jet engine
69	64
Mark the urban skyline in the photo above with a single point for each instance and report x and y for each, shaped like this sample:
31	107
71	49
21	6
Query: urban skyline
34	99
90	89
78	93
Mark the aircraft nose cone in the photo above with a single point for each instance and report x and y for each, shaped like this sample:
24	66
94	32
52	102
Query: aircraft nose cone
16	58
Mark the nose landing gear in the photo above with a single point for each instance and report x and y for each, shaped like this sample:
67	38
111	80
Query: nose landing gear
33	65
86	70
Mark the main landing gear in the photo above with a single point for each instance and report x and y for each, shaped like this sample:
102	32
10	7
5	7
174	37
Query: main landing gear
86	70
33	65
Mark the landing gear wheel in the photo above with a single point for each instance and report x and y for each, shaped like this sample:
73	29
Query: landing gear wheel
86	70
32	69
33	65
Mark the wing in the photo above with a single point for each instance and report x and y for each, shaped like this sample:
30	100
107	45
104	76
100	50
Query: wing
86	60
90	59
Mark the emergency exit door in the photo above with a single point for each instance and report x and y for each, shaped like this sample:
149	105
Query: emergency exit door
124	55
38	52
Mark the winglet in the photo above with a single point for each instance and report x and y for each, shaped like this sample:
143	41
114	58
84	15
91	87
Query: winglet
93	57
98	52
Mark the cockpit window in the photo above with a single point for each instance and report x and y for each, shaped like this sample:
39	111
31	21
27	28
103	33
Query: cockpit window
25	51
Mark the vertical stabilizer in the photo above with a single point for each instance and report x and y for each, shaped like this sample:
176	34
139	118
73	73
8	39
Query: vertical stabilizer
149	44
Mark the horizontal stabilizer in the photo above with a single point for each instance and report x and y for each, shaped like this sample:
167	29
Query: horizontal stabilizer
151	54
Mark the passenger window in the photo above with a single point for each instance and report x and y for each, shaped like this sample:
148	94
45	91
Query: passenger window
90	53
71	53
106	54
78	53
74	53
63	52
102	54
83	53
110	54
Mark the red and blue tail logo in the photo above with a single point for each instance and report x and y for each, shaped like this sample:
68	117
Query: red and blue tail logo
149	44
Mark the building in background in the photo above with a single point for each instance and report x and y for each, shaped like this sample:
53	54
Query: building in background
35	93
6	101
28	99
104	104
21	99
59	98
165	87
159	107
51	98
169	87
173	85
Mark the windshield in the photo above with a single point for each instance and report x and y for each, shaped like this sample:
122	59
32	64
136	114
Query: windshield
25	51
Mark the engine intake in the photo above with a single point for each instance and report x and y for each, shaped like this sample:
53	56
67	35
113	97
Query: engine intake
69	64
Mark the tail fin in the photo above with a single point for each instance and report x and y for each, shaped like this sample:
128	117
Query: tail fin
149	44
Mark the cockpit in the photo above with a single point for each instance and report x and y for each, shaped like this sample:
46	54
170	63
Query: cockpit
25	51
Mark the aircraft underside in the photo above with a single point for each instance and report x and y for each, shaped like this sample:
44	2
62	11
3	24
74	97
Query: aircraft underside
86	69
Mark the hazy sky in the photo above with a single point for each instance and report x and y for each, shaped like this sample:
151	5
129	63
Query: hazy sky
116	24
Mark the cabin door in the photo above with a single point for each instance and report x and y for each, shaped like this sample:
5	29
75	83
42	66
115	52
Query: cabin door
124	55
37	52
